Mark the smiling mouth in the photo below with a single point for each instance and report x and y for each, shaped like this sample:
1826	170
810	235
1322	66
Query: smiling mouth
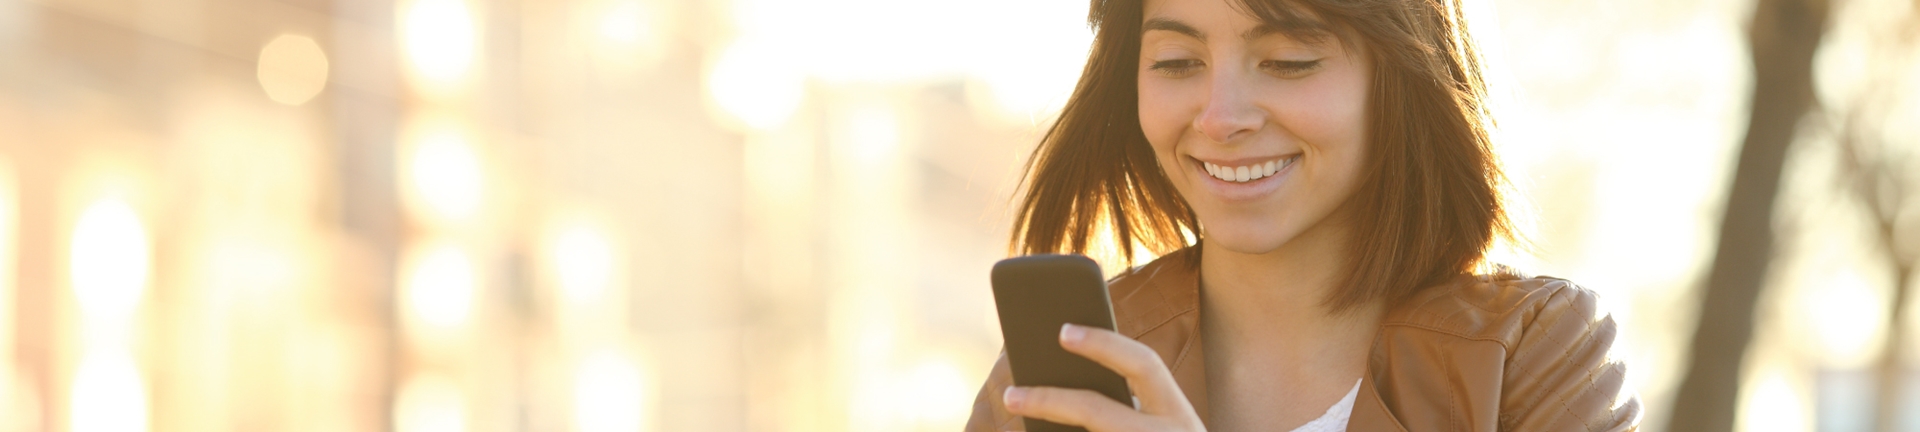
1243	174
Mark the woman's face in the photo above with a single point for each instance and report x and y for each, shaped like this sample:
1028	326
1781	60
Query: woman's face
1263	134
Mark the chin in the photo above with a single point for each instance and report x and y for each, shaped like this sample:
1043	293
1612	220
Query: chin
1250	237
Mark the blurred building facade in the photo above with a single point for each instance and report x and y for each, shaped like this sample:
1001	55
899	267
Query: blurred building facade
667	215
448	215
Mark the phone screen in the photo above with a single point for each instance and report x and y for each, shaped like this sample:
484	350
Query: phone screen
1035	295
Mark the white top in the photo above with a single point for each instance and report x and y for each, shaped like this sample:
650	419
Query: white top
1335	419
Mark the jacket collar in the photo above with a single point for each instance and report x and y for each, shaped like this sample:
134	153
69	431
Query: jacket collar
1156	295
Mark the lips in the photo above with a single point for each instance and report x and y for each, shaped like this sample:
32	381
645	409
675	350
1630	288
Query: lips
1251	172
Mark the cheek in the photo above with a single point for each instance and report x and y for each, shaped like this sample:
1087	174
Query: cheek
1330	117
1345	119
1161	115
1329	120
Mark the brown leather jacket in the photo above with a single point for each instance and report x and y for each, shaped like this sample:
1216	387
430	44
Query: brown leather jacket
1486	353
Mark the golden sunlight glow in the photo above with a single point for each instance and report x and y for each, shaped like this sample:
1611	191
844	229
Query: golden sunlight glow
109	261
935	395
242	263
1032	71
623	23
20	399
429	403
1848	316
582	259
439	285
442	173
1772	404
1026	65
865	330
440	40
9	228
609	394
873	134
755	84
495	211
872	407
626	33
107	395
292	69
14	394
868	323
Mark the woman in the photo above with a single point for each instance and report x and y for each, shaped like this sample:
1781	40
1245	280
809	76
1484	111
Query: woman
1331	160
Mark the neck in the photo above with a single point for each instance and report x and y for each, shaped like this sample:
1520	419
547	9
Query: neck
1269	339
1282	293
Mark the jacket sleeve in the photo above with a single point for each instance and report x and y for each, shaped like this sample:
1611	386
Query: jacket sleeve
1562	374
989	414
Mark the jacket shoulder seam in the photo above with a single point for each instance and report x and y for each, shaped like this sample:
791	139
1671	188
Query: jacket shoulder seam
1420	317
1504	344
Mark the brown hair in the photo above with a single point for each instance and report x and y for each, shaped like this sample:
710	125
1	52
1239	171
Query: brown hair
1429	207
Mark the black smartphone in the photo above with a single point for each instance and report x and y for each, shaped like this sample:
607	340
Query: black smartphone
1036	295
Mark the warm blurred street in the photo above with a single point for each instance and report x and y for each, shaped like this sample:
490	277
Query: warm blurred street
778	215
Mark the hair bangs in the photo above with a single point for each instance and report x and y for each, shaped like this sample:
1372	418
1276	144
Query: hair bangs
1301	22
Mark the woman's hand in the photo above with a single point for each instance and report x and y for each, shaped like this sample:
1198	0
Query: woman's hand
1162	406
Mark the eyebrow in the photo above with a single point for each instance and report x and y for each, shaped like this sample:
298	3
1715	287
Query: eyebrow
1304	30
1173	25
1300	29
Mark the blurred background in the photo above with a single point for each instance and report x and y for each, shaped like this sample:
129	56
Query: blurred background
778	215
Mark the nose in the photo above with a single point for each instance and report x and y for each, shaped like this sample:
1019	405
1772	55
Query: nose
1230	112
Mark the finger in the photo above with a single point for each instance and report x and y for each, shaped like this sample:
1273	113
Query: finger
1076	407
1148	376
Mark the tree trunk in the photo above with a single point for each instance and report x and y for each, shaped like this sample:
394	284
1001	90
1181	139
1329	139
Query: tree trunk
1783	36
1887	401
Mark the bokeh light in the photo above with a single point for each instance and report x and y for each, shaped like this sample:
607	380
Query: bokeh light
439	286
626	34
441	41
108	395
935	393
1033	68
1847	320
451	215
873	134
1773	404
583	260
292	69
109	261
610	394
430	403
756	84
625	22
444	181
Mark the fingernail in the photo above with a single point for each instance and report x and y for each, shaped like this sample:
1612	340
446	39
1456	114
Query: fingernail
1070	334
1014	397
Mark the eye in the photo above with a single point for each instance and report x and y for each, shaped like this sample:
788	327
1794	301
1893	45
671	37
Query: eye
1289	68
1175	68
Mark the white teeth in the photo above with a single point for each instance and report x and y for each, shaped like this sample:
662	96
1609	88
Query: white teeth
1248	173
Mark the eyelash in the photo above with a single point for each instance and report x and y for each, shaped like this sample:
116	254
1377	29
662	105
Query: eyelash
1174	67
1290	68
1281	67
